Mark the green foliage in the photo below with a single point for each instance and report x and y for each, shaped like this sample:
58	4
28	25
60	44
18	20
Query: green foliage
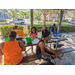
36	13
64	28
24	12
5	29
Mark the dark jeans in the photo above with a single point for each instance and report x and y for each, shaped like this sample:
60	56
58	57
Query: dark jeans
50	60
19	39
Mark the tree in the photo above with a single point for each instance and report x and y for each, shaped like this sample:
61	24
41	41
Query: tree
13	12
37	14
24	12
72	14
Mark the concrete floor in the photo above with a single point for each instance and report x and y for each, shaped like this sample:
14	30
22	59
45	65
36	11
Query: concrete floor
67	58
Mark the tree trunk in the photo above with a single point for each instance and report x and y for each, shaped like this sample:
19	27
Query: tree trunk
44	18
13	16
31	17
4	16
60	20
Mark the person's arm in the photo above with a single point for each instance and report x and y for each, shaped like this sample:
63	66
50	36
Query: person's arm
51	31
36	34
22	46
41	45
41	29
23	37
50	51
1	47
54	30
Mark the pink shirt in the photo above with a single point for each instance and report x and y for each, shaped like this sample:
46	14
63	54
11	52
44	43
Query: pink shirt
33	34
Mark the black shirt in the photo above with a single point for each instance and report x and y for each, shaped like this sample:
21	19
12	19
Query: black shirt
38	50
44	31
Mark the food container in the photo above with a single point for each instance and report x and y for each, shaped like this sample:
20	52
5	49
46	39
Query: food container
39	35
29	40
6	39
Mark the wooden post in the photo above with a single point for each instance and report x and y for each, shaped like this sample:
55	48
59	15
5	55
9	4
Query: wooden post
60	20
31	18
44	18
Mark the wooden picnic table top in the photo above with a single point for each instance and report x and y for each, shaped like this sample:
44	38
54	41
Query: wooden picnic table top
49	41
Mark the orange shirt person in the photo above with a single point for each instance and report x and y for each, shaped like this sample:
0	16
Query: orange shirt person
19	32
12	50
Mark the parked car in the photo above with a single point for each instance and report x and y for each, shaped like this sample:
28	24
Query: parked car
17	21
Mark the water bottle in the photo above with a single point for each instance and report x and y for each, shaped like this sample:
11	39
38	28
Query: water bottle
33	35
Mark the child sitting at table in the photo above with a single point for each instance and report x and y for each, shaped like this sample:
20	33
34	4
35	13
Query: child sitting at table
33	34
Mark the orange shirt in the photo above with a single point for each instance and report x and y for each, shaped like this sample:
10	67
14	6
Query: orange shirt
20	32
12	52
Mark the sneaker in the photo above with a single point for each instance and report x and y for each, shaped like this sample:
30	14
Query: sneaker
53	61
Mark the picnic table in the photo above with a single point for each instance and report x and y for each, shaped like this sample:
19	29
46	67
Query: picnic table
49	41
58	51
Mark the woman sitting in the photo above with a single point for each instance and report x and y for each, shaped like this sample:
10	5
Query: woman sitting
53	31
43	29
12	50
19	32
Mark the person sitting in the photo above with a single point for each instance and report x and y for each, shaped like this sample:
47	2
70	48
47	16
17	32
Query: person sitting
53	31
43	29
19	33
11	50
42	52
33	33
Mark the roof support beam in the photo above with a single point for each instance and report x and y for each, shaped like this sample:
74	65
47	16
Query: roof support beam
60	19
31	18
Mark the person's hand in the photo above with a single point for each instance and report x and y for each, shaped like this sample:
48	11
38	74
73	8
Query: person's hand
54	56
19	35
52	33
54	53
55	28
41	29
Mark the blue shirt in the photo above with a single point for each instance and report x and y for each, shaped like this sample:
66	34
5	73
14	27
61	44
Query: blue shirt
56	33
52	30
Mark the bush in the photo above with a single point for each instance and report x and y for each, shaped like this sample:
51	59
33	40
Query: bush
38	27
64	28
5	29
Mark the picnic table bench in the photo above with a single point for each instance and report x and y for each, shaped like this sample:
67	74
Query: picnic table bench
34	57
